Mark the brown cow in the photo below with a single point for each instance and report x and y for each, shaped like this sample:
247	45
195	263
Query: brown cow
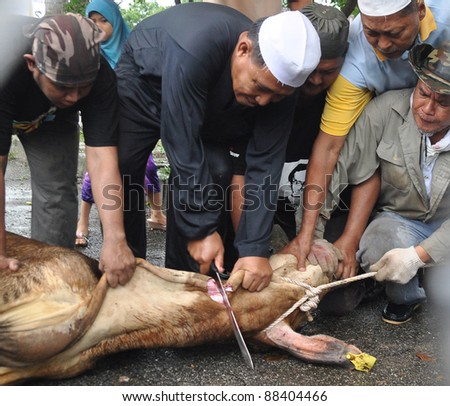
58	315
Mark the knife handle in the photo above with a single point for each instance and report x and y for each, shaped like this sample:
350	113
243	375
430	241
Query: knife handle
213	271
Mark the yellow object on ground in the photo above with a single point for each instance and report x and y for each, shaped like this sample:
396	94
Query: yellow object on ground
362	362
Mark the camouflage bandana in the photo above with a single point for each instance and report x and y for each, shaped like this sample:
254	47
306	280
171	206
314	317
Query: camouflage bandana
66	48
432	66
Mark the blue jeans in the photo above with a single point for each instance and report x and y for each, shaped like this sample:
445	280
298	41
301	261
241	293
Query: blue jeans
388	231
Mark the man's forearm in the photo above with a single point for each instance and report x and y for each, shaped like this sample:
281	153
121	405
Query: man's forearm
107	189
363	200
108	195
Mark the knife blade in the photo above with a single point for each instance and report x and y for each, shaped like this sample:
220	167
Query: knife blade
234	324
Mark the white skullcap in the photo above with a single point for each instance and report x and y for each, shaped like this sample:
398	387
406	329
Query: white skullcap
381	8
290	47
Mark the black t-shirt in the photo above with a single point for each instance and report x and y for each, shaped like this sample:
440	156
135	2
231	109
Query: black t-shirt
305	127
24	108
304	131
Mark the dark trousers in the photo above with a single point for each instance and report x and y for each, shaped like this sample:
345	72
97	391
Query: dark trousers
134	150
52	154
221	168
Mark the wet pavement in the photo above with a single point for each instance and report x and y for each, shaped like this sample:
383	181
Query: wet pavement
413	354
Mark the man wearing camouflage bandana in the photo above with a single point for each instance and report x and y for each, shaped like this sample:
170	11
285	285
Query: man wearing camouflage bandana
405	135
54	72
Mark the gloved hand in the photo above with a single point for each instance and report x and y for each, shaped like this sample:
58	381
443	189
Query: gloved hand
324	254
399	265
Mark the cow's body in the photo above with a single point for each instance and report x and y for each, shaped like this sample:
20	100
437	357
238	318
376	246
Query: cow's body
57	317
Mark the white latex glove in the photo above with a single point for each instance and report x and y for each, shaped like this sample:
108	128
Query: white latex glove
399	265
325	254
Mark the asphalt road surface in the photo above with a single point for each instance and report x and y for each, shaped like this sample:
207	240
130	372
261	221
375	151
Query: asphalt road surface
416	353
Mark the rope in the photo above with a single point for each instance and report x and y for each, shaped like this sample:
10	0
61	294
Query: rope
311	300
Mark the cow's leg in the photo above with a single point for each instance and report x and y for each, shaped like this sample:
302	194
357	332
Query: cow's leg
192	278
56	326
317	349
235	280
171	275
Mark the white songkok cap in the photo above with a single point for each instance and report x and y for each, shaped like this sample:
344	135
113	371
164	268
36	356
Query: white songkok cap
381	8
290	47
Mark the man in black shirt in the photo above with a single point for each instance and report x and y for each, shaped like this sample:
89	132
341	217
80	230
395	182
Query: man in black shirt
333	28
201	77
50	74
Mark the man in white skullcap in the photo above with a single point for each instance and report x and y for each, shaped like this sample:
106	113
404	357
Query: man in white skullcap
202	77
377	60
332	27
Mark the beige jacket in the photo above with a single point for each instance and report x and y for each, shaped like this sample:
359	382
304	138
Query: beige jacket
386	136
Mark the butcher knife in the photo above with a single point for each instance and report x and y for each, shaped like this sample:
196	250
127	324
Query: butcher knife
236	330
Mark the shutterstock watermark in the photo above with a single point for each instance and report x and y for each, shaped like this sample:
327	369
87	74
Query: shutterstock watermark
191	196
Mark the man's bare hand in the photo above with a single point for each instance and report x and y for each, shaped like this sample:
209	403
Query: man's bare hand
207	250
300	247
118	262
348	266
258	272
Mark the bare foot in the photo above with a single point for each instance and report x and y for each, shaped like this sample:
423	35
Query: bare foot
156	224
81	239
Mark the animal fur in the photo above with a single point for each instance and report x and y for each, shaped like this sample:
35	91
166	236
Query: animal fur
58	315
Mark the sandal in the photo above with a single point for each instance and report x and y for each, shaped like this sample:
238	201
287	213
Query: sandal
155	225
81	240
